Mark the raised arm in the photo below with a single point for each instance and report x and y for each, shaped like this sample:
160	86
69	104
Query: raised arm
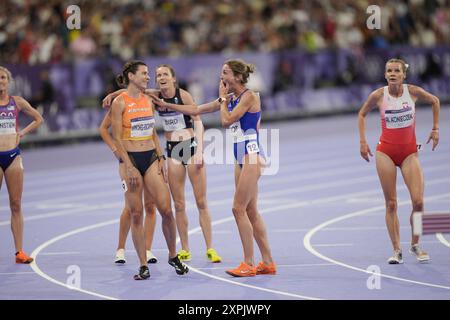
187	109
427	97
371	102
24	106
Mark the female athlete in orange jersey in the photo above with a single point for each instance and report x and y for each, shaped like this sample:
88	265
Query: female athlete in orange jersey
138	147
184	137
10	160
125	218
397	147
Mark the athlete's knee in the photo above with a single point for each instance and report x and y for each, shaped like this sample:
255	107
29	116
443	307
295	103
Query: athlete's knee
15	206
136	217
136	211
201	203
150	209
166	211
238	211
391	206
252	214
417	205
179	205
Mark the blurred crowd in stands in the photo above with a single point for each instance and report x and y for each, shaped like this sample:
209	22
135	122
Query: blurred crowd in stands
35	32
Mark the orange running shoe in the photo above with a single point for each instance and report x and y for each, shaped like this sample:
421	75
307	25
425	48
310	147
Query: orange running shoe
244	270
263	268
21	257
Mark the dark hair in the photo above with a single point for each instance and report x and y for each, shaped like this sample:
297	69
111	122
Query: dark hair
131	66
239	66
171	69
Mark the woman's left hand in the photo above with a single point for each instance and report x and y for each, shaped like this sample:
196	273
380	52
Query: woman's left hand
19	136
197	160
434	135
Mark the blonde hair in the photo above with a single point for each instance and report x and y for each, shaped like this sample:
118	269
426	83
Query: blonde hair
404	65
8	73
240	67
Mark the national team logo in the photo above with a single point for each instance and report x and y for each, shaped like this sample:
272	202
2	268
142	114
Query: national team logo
176	100
10	108
405	105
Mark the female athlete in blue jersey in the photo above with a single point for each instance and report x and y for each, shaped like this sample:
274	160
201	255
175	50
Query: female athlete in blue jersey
240	110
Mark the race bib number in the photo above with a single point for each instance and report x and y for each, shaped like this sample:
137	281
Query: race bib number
142	127
173	122
7	126
396	119
236	131
252	147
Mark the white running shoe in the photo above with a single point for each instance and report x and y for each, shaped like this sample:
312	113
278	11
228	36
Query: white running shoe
120	256
421	255
151	258
397	258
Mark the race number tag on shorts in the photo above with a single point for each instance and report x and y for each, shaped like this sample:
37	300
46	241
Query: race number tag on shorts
124	186
142	127
252	147
7	125
173	122
402	118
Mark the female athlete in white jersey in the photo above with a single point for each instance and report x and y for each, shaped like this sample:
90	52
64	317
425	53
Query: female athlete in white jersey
397	147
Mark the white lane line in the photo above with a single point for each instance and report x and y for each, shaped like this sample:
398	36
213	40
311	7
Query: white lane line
36	252
442	239
312	232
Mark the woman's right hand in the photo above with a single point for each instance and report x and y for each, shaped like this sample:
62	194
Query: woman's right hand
157	101
223	90
365	151
106	103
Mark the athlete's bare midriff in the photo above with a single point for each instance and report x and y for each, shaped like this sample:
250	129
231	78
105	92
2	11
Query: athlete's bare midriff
138	145
8	142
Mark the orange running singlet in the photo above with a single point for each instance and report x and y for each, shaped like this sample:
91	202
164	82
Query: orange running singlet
137	119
